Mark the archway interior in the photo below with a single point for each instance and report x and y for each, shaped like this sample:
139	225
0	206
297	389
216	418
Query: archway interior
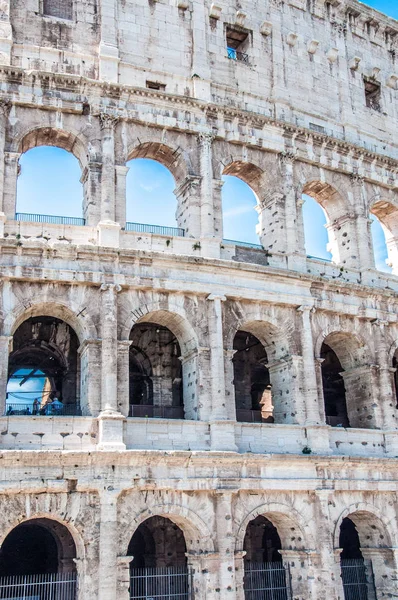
37	547
384	230
262	543
349	541
253	394
49	180
155	370
158	542
43	367
316	237
240	218
333	389
395	367
150	197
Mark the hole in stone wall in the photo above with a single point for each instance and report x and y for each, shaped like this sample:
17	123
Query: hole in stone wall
372	94
262	542
333	389
379	245
61	9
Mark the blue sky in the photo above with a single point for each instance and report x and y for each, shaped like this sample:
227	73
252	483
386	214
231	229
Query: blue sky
388	7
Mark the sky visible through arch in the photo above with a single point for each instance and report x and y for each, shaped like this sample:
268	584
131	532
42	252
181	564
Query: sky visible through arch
49	184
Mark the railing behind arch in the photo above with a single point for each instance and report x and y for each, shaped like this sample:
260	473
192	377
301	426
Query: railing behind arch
66	410
358	579
267	581
156	229
162	583
52	586
52	219
149	411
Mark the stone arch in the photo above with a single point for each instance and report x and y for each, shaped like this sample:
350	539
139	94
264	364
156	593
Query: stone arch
374	530
50	518
197	535
175	160
294	534
68	140
83	326
267	330
386	213
350	347
250	173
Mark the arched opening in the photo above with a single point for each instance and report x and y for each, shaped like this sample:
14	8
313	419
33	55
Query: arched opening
156	379
265	575
347	382
253	392
240	218
151	204
332	214
315	233
44	369
159	566
333	389
37	561
384	229
49	183
356	573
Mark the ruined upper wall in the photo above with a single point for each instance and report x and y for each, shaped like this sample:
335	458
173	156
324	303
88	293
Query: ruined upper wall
302	62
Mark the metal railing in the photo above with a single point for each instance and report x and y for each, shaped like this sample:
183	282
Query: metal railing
244	244
66	410
55	220
267	581
149	411
56	586
238	56
163	583
156	229
358	579
244	415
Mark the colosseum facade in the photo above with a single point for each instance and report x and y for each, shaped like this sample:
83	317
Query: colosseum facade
219	420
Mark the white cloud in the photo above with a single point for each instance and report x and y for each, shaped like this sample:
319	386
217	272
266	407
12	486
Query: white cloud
149	187
237	210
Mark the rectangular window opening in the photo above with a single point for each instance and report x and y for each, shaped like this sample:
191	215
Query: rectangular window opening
372	94
237	44
155	85
60	9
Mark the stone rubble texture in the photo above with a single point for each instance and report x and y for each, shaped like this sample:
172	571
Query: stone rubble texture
292	121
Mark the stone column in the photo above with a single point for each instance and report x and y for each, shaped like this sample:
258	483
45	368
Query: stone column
384	571
386	393
123	577
225	543
90	381
121	175
109	356
5	347
91	181
108	48
240	574
5	107
11	171
188	195
210	243
5	33
108	545
222	430
123	376
201	74
328	583
108	189
310	388
297	566
362	222
319	382
296	255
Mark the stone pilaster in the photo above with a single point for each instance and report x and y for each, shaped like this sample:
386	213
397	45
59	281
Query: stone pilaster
120	200
11	172
5	348
91	181
108	181
108	47
225	543
109	390
108	545
188	195
4	112
6	39
205	141
201	73
386	394
328	583
90	379
310	390
123	376
362	225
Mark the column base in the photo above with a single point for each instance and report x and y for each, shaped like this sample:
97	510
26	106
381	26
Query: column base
108	234
110	434
222	436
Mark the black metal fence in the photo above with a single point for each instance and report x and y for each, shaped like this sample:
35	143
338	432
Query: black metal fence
55	220
57	586
161	412
267	581
358	579
49	410
163	583
156	229
239	56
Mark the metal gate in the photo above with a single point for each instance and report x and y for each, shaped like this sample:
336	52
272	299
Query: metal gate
162	583
267	581
358	580
53	586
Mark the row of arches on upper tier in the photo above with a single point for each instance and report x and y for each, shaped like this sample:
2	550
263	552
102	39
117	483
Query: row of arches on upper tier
50	370
161	544
53	180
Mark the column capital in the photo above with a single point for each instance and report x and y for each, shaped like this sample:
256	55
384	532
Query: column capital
205	138
216	297
5	107
107	121
111	287
305	308
357	179
287	157
380	323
